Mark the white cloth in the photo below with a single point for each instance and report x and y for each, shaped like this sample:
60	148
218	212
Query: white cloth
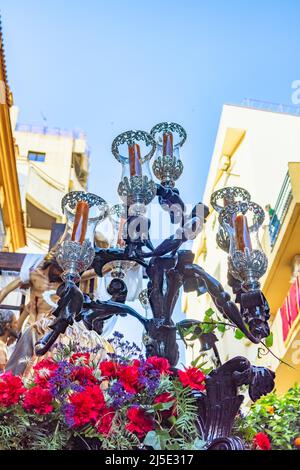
31	261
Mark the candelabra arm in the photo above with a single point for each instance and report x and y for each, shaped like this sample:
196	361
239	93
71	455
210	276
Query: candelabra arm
69	307
224	304
95	313
104	256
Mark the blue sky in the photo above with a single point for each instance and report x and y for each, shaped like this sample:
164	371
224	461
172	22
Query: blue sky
108	66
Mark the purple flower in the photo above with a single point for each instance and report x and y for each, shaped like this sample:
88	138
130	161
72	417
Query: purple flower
68	411
119	395
149	378
60	382
123	349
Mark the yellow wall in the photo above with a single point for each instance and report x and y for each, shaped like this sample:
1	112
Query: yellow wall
10	200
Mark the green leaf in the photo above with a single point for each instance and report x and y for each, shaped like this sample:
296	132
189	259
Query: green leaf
239	334
208	328
163	406
198	444
152	440
172	420
221	327
209	312
269	340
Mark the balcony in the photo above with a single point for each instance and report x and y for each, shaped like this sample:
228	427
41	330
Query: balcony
44	193
281	240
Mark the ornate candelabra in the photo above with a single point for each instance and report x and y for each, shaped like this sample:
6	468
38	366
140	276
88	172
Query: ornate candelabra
168	268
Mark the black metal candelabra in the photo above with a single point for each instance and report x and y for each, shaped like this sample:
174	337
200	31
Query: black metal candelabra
168	268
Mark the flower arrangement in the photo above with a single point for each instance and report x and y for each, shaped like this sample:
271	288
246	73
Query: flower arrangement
72	400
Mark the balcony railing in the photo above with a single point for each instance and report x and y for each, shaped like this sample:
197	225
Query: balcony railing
280	210
273	107
76	134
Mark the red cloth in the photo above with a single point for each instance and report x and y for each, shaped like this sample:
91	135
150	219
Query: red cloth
285	319
290	308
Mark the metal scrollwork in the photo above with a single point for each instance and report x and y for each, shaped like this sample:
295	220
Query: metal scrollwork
75	257
167	169
131	137
227	213
137	189
170	127
71	199
223	240
247	265
230	195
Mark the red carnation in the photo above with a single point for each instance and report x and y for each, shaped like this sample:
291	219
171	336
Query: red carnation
38	400
108	369
11	389
43	370
96	395
136	362
262	441
83	375
193	378
80	358
159	363
166	397
103	426
85	406
139	422
128	376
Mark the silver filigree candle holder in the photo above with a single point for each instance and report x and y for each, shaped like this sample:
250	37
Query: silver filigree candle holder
76	252
219	200
246	259
136	188
167	165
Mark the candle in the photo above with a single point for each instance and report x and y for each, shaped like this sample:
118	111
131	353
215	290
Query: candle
242	234
80	222
168	144
135	166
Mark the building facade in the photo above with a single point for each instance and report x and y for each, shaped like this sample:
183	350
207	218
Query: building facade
50	163
258	148
12	232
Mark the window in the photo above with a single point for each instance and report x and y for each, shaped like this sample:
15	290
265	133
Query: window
36	156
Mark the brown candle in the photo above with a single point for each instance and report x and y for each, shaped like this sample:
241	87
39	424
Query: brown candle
168	144
242	234
80	222
135	166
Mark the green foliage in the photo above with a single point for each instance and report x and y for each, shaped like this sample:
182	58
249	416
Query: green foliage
278	417
119	438
183	432
19	431
239	334
269	340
